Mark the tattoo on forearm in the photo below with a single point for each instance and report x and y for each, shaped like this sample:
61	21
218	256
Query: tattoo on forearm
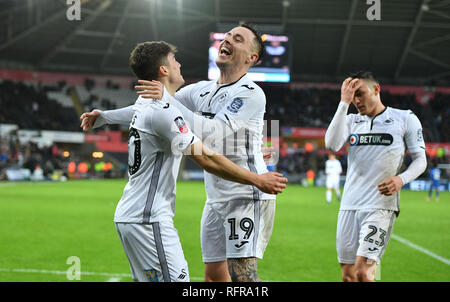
243	269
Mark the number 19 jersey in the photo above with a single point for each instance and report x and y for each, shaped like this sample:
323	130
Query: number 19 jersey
241	106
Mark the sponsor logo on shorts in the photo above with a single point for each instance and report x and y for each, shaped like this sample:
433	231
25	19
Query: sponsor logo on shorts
373	249
371	139
151	275
182	275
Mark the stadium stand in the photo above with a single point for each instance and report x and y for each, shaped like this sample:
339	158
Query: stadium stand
308	106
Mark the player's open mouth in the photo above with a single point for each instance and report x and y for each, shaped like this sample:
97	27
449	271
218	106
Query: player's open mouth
224	51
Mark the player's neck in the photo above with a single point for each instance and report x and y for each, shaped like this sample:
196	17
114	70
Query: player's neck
171	87
377	110
230	75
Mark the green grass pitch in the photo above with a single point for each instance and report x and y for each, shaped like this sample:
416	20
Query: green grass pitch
42	224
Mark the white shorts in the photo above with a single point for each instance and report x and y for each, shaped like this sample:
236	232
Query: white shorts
154	252
236	229
333	181
363	233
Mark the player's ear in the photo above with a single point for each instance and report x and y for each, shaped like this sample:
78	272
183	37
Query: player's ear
376	89
253	58
163	70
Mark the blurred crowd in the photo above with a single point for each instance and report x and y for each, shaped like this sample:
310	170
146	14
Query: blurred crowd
14	155
30	107
95	101
313	107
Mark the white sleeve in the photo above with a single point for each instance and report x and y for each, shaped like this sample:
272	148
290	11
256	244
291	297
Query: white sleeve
416	168
184	96
242	107
339	128
117	116
170	125
416	147
413	134
201	126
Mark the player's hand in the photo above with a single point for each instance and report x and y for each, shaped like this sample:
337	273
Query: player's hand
267	153
390	185
348	89
272	182
88	119
150	89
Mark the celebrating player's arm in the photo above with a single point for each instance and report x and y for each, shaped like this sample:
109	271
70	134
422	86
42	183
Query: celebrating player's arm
155	90
172	126
97	118
235	114
339	128
215	163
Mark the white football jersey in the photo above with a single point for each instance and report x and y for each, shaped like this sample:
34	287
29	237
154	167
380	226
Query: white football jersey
333	167
157	137
377	148
241	105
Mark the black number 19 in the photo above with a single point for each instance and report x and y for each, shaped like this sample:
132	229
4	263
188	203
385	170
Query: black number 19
246	225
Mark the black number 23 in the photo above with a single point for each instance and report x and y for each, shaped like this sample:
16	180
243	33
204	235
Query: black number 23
373	231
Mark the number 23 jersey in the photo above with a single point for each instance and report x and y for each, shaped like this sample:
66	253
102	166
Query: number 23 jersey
376	152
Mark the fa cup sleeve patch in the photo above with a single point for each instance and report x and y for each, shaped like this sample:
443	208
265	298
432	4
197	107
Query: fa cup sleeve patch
181	125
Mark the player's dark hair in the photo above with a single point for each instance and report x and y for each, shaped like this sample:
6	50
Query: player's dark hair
364	75
258	40
147	57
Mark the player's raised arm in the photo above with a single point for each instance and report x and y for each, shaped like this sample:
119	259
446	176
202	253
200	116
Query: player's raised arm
271	182
338	130
200	125
240	109
97	118
155	90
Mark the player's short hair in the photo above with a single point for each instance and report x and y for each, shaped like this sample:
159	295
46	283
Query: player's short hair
364	75
257	41
147	57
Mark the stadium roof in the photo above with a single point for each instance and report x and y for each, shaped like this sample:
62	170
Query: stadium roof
409	45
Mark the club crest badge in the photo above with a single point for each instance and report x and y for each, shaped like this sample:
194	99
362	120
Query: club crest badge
235	105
